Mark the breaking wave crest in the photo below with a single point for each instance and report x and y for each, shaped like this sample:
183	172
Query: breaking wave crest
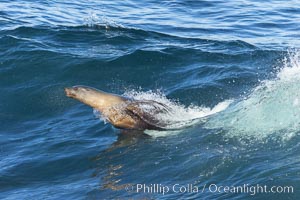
273	107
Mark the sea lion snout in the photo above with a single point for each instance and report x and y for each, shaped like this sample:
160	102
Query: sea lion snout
82	93
71	92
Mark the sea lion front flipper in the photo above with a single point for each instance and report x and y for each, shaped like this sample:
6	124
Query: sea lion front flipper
147	112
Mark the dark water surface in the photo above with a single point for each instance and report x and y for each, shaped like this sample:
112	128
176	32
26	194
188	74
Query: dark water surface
231	66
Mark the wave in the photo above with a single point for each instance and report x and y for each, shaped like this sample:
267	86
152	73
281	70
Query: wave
271	108
117	44
112	28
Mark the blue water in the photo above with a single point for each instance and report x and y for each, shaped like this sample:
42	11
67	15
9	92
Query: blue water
229	69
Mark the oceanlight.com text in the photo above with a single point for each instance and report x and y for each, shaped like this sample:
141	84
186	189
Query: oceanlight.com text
211	188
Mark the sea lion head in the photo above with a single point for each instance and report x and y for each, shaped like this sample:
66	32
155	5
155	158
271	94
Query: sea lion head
95	98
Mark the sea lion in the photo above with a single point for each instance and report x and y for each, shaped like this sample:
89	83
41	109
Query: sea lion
121	112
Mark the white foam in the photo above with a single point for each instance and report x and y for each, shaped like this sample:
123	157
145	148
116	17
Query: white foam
291	69
93	20
179	116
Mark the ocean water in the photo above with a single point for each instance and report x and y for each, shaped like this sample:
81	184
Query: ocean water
230	70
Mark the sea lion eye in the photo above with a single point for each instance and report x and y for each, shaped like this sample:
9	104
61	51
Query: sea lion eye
75	88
